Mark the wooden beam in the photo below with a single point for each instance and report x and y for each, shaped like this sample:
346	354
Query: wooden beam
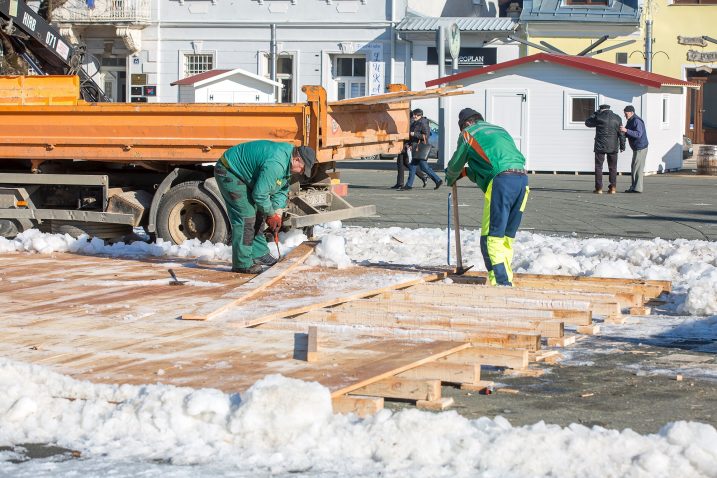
361	406
312	351
402	388
435	405
511	358
544	327
252	287
466	307
664	285
327	302
498	339
445	372
398	96
602	304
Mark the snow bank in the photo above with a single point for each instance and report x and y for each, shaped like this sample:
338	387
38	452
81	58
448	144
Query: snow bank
270	430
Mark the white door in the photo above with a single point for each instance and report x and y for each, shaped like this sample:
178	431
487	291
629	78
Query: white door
507	109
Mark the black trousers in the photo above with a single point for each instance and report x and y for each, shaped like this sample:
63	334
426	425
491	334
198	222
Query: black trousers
402	164
611	166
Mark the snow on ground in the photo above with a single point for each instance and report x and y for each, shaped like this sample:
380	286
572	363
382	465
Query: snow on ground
160	430
270	431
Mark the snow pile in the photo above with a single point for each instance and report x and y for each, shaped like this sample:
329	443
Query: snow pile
331	252
269	430
690	265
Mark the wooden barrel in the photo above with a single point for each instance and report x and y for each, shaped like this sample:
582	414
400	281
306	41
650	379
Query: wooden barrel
707	160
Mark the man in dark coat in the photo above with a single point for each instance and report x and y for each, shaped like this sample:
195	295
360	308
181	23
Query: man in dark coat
608	140
417	130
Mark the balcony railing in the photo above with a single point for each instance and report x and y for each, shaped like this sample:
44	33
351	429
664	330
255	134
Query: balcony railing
105	12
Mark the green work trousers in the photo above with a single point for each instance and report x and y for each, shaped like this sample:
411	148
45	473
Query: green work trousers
247	241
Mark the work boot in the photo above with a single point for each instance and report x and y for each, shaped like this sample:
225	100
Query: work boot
438	184
611	190
254	269
597	191
266	260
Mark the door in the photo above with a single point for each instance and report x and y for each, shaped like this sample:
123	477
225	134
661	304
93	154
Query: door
694	127
507	109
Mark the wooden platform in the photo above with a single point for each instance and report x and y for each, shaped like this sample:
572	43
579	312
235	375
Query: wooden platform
364	332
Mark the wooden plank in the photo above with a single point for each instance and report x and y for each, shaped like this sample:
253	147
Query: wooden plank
589	329
511	358
252	287
562	341
481	386
402	388
312	351
358	405
435	405
648	284
442	306
602	304
445	372
530	341
327	302
544	327
398	96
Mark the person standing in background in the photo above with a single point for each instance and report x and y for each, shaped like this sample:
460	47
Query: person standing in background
637	137
608	140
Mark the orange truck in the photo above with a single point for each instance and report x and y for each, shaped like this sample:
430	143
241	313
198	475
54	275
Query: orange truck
75	167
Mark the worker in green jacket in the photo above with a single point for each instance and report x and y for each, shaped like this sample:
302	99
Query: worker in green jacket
254	181
497	166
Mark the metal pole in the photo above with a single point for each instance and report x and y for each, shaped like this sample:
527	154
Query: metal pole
648	45
441	47
448	239
273	58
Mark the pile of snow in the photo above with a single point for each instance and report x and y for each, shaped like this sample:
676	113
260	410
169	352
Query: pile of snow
269	430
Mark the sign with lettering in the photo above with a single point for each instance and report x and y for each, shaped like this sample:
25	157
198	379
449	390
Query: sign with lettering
467	56
703	56
699	41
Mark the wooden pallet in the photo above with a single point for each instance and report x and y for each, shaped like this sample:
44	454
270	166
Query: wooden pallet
366	333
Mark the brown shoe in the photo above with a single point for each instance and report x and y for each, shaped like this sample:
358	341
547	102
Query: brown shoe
611	190
597	191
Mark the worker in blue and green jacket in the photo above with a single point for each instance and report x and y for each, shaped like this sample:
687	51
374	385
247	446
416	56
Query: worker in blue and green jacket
497	166
254	181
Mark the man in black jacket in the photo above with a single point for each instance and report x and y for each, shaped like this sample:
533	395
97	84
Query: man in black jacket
608	140
418	130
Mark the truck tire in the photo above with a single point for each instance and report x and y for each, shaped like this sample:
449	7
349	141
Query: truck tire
9	228
189	211
102	230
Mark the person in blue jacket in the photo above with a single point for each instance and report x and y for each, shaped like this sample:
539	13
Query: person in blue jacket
637	137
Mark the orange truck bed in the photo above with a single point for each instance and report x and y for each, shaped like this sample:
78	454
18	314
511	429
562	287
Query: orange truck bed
42	118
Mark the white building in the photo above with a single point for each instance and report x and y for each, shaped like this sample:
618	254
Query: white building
350	47
544	99
227	86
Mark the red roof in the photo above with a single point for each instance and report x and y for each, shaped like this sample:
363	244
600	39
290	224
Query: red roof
190	80
580	62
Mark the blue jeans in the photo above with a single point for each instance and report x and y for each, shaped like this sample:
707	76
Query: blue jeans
423	166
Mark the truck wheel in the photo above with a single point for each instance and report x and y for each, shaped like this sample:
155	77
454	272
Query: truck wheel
189	211
9	228
107	231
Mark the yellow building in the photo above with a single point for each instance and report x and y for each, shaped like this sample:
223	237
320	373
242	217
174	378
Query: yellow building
684	43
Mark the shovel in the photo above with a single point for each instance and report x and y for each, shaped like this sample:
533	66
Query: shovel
460	270
174	280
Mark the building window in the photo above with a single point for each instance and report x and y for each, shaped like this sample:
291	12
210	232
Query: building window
572	3
694	2
578	107
285	76
581	109
350	75
665	118
195	63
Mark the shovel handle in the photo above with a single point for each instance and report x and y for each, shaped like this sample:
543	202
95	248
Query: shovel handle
457	227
